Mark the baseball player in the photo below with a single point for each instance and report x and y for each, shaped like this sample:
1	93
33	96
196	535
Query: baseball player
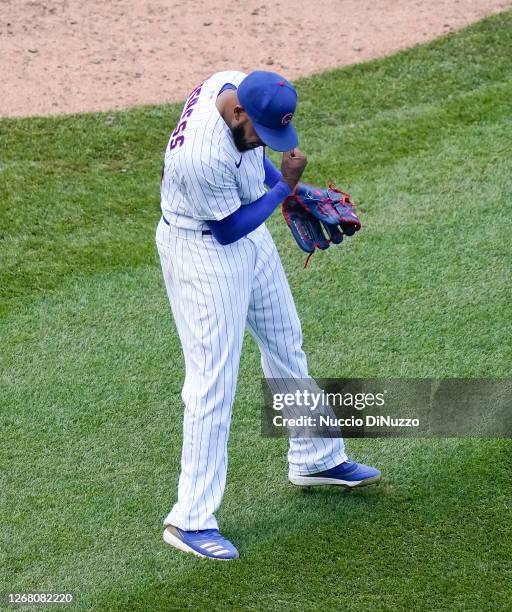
223	274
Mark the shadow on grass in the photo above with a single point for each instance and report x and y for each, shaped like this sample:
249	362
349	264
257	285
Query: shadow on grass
269	541
411	530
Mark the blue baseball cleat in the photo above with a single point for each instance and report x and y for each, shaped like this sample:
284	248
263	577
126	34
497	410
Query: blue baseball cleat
206	543
348	474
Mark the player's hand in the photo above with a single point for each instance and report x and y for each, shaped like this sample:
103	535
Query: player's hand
292	166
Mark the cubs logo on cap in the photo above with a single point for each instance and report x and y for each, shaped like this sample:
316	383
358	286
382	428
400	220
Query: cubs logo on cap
270	101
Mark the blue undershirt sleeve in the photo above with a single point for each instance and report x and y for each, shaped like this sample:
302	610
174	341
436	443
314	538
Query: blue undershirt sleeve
250	216
272	174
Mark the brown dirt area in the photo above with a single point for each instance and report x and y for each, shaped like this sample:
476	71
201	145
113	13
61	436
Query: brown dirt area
68	56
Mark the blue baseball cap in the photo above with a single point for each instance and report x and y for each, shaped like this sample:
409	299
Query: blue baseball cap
270	101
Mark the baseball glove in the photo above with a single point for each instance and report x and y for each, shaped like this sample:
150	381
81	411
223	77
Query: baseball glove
319	217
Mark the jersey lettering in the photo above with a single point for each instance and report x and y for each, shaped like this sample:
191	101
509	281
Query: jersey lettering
176	140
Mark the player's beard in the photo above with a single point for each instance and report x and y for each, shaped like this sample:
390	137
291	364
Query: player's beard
239	138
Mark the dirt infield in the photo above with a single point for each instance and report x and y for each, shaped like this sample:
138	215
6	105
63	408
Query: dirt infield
62	56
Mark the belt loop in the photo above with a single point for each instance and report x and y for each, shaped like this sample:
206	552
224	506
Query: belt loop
203	232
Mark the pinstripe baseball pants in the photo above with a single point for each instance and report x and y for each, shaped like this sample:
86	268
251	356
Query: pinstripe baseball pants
215	292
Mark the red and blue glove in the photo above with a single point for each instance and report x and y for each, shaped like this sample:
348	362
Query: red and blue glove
319	217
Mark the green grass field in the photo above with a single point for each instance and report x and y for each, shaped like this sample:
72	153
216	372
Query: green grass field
91	367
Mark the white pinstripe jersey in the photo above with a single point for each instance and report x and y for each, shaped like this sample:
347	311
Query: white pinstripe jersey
205	176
